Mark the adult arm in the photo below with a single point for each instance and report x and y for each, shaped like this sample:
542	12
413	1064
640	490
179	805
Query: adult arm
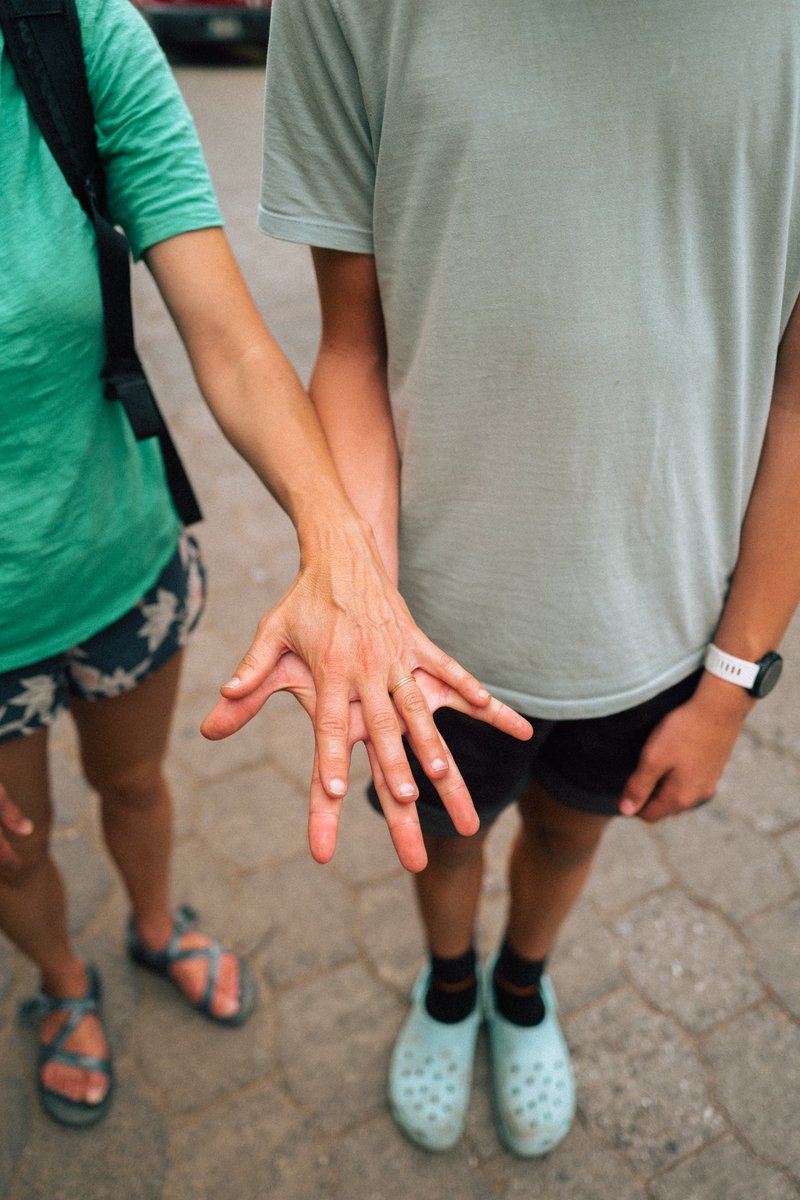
685	756
349	389
343	617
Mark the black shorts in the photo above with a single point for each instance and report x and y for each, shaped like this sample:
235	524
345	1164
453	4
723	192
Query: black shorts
582	764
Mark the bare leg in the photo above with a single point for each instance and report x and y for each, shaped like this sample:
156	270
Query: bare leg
123	744
448	892
533	1088
550	863
33	916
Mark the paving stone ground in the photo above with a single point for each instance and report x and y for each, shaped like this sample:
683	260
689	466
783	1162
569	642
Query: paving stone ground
678	972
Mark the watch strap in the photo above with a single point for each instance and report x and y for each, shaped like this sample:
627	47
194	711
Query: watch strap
727	666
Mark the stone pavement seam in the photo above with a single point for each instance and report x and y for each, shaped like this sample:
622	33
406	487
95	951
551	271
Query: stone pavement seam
733	1126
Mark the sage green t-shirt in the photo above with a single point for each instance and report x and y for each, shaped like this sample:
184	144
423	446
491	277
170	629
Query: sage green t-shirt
585	222
86	521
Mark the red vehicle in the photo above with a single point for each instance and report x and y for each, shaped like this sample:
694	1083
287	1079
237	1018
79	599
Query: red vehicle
208	20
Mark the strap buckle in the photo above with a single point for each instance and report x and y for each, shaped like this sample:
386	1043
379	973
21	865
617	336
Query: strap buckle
131	388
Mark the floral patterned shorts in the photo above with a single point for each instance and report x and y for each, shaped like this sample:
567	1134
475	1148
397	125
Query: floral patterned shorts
115	660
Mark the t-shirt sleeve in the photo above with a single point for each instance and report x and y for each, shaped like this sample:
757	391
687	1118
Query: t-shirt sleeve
157	181
319	161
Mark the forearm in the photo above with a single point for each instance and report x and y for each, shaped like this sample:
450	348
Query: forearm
266	415
351	400
765	590
349	388
249	385
766	585
686	754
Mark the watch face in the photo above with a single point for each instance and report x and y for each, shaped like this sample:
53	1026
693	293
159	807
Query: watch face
768	676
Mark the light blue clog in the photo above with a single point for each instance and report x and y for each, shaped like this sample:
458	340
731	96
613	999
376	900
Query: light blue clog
533	1088
430	1074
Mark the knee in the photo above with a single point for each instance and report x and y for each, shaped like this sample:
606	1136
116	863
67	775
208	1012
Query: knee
137	788
454	853
563	845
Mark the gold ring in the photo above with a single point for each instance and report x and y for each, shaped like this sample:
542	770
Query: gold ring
402	683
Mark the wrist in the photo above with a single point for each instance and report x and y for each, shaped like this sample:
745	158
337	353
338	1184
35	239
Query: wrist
340	543
723	700
327	522
758	677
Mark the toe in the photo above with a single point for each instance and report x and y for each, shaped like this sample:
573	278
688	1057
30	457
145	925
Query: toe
226	994
64	1080
191	975
96	1087
74	1083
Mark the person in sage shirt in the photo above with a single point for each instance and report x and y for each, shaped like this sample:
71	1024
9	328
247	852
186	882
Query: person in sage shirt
557	255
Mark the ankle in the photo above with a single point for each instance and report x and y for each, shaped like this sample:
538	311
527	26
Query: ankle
65	979
453	989
516	982
154	930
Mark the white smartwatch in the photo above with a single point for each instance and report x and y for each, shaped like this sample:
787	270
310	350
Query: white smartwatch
757	678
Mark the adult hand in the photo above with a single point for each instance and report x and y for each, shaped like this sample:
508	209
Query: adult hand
11	821
291	674
346	620
683	759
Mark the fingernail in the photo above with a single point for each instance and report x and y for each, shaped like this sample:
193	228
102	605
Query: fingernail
338	787
233	682
483	694
94	1094
627	807
407	789
26	827
438	764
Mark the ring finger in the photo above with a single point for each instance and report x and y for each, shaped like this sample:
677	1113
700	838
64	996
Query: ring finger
420	726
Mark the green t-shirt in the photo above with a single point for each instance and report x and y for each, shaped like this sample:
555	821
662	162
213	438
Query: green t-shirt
86	521
585	223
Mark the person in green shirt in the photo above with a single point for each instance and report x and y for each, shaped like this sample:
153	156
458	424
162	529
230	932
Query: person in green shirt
100	588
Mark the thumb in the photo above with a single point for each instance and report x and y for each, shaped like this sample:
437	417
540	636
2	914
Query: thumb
230	713
640	787
256	664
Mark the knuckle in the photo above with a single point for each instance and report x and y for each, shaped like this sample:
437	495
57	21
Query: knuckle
445	661
249	661
450	793
384	722
263	628
400	823
368	657
331	659
413	702
648	759
334	667
332	725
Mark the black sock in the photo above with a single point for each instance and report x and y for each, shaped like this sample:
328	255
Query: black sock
453	988
516	987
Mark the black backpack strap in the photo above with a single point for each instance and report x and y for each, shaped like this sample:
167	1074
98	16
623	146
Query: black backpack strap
42	38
